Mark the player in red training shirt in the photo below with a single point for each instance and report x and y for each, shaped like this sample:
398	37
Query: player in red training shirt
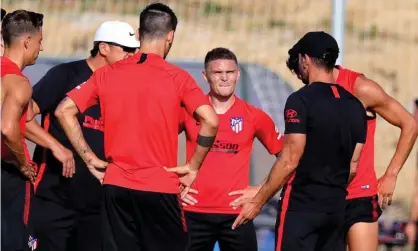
224	175
22	34
140	101
366	193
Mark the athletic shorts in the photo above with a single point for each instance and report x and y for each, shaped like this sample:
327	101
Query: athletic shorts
13	189
205	229
54	227
364	209
309	231
142	221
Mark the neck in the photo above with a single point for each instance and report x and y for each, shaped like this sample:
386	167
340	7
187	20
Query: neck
321	76
16	57
96	62
335	74
154	47
221	104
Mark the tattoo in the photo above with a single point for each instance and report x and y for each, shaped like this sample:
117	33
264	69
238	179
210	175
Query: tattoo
81	145
63	100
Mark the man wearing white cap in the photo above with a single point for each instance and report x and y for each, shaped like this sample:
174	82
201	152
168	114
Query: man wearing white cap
64	213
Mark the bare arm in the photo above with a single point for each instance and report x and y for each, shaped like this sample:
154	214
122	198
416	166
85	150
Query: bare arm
208	128
17	93
375	98
66	114
283	168
35	133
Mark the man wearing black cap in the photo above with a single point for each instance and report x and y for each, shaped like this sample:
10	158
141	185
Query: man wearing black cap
325	129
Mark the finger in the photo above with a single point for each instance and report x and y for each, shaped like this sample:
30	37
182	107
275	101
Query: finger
191	190
384	202
65	170
190	198
184	192
380	200
188	201
184	204
236	192
238	221
240	201
73	164
390	200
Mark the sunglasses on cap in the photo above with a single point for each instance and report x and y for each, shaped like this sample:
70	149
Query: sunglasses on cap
124	48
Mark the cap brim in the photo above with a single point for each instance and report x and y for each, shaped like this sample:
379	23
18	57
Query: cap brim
131	44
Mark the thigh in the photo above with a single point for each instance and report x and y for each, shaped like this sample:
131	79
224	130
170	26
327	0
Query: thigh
296	231
86	235
203	230
241	239
13	189
161	221
331	235
50	225
119	232
361	223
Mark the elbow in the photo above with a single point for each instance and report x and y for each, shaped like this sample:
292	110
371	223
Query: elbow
411	127
7	130
60	112
212	123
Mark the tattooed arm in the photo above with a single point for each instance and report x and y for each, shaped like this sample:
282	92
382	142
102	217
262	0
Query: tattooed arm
66	114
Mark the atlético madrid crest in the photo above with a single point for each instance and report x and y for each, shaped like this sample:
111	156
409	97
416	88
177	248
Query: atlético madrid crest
237	124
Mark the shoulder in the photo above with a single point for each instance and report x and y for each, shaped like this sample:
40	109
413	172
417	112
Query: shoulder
300	94
368	90
16	84
62	69
250	109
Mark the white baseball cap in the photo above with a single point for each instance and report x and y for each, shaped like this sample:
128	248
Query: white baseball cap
117	32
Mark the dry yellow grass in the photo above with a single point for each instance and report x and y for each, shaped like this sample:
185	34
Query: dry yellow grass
381	41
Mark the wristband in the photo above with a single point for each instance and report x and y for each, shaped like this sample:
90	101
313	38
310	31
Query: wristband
205	141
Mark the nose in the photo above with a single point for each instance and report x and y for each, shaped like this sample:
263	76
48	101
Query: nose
224	76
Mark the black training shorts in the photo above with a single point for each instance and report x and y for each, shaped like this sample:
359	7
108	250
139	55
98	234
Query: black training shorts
141	220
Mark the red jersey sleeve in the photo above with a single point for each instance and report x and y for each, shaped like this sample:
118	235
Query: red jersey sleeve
267	132
85	95
190	93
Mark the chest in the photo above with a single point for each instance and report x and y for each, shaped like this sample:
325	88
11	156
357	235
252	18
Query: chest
235	130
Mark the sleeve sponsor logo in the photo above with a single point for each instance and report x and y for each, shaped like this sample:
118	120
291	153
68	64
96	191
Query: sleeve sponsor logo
291	116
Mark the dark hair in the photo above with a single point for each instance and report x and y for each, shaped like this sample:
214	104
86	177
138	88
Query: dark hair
19	22
155	21
95	50
3	13
327	61
219	53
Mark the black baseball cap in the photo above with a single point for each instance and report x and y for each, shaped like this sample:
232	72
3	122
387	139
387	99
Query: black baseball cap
3	13
315	44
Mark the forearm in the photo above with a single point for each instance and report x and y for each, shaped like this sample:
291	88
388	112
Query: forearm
74	133
13	141
35	133
278	176
207	135
405	144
